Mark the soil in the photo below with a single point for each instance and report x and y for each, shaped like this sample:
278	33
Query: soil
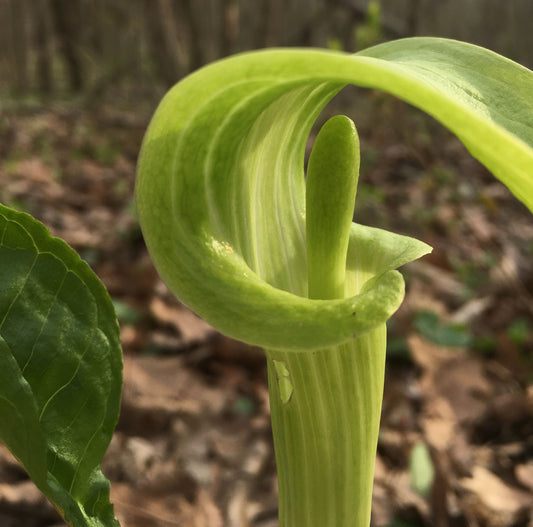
193	446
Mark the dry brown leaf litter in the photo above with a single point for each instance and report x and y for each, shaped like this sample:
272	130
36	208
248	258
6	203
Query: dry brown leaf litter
193	445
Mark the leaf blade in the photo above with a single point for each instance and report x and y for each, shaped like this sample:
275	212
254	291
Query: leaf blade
59	339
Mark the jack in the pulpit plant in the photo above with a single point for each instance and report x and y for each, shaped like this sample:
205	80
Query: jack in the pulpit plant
273	259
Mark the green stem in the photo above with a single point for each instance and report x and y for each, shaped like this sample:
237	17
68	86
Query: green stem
325	408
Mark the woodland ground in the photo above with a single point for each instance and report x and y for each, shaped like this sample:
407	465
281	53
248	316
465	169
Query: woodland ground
193	446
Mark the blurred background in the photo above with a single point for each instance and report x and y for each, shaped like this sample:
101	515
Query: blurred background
79	80
52	47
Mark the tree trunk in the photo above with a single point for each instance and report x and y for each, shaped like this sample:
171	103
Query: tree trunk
65	14
195	41
42	41
19	43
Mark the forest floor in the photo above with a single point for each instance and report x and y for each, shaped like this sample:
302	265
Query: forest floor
193	446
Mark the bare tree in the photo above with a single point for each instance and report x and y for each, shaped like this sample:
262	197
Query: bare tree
100	43
17	27
43	49
67	25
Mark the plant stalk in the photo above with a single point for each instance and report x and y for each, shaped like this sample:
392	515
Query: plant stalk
326	408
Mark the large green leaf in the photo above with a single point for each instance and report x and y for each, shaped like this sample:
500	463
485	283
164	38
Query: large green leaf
60	369
220	184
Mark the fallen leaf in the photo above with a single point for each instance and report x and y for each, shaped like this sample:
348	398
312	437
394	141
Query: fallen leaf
500	504
191	328
26	498
524	474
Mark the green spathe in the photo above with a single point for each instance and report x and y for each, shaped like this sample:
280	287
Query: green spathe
220	186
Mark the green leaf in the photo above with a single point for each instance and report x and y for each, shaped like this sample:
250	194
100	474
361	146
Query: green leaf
221	191
519	330
421	469
60	369
432	328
